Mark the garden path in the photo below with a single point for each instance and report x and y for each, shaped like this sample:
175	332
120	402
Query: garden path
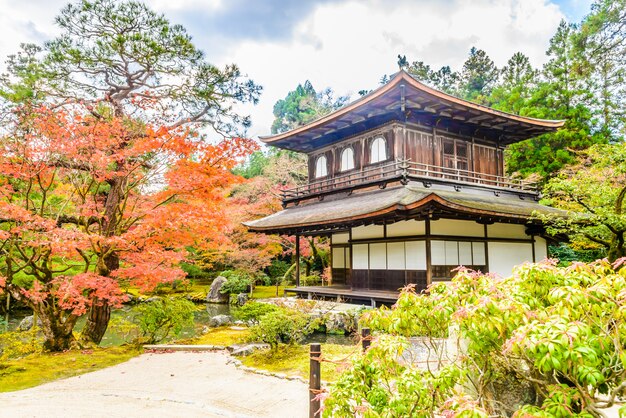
179	384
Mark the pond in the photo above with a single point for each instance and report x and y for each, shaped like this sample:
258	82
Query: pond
119	329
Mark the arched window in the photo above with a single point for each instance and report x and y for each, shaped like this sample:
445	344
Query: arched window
321	167
378	150
347	159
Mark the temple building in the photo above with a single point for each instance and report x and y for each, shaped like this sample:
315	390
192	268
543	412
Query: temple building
409	183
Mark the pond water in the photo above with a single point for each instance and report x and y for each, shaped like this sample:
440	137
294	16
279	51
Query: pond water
120	332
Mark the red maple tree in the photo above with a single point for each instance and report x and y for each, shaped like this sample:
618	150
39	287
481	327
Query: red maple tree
88	202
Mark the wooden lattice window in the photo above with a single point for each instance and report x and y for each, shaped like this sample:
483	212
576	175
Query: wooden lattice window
321	167
347	159
455	154
378	150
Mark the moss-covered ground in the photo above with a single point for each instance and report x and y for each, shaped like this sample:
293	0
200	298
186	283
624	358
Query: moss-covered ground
293	360
224	336
265	292
37	369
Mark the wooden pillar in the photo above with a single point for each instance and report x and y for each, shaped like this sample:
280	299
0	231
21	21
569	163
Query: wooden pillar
365	339
314	379
297	260
429	269
486	250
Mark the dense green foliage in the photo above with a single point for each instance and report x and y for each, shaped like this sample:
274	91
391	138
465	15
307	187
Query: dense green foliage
253	311
593	190
283	325
304	105
555	334
164	317
238	281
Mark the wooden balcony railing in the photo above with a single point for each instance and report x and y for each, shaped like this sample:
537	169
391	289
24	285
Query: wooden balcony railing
405	170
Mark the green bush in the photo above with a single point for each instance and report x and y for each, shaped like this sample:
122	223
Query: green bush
253	311
164	317
194	272
238	281
283	326
555	334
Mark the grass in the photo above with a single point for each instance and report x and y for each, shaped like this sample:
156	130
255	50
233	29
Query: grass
224	336
293	360
37	369
266	292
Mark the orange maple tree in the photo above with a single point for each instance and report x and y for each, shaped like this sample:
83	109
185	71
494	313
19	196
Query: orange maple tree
90	202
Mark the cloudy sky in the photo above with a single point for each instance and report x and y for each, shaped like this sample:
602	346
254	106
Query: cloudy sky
342	44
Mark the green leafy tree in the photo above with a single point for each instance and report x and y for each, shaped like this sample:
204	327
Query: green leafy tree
517	83
560	95
593	190
600	43
478	76
304	105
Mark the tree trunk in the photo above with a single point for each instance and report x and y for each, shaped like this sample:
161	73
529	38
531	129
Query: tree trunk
96	324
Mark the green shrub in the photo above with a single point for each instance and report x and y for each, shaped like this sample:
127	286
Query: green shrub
162	317
283	326
253	311
238	281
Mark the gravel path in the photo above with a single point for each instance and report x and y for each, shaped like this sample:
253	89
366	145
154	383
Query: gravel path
179	384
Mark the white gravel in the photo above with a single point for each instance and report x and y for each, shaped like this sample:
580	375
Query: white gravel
179	384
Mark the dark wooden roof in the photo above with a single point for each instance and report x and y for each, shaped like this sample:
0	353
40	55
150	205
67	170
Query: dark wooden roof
406	99
410	201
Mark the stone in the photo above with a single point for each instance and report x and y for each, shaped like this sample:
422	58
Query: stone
152	299
239	322
340	323
242	298
215	295
27	323
247	349
220	320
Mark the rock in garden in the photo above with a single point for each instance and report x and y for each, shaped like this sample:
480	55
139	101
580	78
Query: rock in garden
242	298
247	349
27	323
215	296
340	323
220	321
152	299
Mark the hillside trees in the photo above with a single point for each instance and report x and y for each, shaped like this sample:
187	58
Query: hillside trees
129	167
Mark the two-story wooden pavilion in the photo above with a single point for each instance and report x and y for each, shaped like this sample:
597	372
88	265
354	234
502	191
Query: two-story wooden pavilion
409	183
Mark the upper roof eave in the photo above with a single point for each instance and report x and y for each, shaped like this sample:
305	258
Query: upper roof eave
400	77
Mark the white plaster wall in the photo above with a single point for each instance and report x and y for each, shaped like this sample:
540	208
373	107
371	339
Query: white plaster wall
457	227
378	256
406	228
501	230
415	255
360	257
339	258
503	256
341	238
368	231
541	249
396	256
